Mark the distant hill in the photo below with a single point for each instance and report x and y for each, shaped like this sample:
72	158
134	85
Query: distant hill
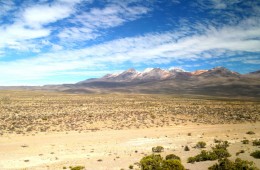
218	81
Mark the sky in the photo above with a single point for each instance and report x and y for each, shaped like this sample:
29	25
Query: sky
66	41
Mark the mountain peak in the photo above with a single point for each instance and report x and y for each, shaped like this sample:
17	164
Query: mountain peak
131	70
176	69
220	72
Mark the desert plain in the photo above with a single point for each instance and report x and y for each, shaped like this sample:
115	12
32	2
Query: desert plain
47	130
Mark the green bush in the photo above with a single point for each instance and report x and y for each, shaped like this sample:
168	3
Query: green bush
158	149
156	162
186	148
77	168
245	141
217	141
201	144
172	164
250	133
256	142
226	164
256	154
203	156
151	162
239	152
172	156
218	152
221	153
222	145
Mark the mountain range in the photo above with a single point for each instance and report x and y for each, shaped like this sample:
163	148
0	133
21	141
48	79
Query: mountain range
218	81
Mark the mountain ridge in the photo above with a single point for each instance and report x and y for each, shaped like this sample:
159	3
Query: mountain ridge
156	74
218	81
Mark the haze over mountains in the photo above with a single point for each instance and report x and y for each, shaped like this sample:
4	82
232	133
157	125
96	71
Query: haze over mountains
218	81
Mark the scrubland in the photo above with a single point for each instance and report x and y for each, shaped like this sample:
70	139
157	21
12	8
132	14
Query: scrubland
45	130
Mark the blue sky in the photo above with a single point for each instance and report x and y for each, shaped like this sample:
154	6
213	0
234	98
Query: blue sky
65	41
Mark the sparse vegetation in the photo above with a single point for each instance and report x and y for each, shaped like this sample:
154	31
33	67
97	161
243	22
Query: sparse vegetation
30	112
256	154
218	152
239	164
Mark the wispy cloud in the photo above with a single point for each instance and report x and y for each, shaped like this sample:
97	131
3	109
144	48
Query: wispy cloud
150	48
63	38
39	15
32	22
88	24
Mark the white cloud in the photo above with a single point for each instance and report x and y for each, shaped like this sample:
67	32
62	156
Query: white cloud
89	24
29	22
150	48
38	15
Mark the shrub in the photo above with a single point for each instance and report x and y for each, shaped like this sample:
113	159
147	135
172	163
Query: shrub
217	141
201	144
250	133
203	156
245	141
256	154
226	164
158	149
131	167
186	148
221	153
151	162
256	142
156	162
172	156
222	145
77	168
239	152
218	152
172	164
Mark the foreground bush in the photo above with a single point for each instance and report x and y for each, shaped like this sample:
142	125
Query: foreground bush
156	162
226	164
256	154
151	162
203	156
172	156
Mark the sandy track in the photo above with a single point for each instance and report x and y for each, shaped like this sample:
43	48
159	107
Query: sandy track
116	149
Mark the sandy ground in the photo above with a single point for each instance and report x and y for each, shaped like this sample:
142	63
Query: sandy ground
116	149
